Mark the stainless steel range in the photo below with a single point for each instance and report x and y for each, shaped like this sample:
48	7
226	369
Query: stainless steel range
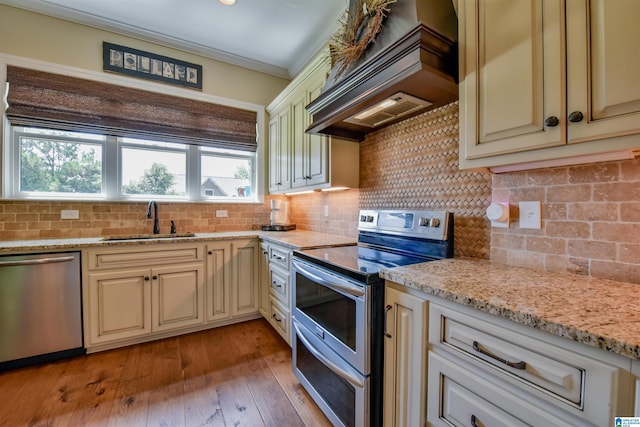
338	310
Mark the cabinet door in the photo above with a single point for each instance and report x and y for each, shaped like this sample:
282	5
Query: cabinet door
309	152
405	355
299	141
178	296
244	292
120	305
511	76
264	280
317	145
602	67
218	281
279	161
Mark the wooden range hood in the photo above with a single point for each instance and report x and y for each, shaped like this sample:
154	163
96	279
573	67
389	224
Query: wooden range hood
411	67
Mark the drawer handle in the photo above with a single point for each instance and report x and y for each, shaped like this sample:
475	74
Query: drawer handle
279	258
474	421
516	365
386	311
275	317
276	284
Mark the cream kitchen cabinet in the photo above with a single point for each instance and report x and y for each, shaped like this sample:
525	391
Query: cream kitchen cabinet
299	161
405	356
233	271
245	274
165	292
218	281
448	364
279	148
502	373
276	288
547	80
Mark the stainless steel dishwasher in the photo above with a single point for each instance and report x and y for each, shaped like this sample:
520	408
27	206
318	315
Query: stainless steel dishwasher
40	308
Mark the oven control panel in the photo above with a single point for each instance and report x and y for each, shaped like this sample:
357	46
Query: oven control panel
426	224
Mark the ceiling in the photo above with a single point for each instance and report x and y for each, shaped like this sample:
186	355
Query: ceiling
273	36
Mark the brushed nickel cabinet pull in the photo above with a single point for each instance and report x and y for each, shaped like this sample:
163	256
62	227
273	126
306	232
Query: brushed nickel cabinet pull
516	365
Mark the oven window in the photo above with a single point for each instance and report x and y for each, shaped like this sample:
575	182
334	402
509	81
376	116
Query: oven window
336	392
334	312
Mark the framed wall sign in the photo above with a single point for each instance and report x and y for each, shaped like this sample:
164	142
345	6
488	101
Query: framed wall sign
137	63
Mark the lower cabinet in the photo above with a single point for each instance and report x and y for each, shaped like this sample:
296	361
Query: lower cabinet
134	295
483	370
275	287
245	270
405	356
131	303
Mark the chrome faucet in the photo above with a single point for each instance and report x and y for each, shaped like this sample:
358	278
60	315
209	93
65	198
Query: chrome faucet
156	226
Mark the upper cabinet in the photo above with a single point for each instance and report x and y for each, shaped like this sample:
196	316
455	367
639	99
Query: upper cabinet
547	80
300	161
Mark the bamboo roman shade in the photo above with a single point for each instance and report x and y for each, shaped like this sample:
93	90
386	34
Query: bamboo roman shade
55	101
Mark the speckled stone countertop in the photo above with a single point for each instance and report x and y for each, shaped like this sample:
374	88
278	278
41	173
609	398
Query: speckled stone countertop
296	239
599	313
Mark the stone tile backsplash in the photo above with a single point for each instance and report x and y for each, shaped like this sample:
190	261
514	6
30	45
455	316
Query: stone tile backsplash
590	220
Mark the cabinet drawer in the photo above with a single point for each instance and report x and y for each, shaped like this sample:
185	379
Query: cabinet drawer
555	376
279	318
551	369
124	257
279	285
279	256
461	398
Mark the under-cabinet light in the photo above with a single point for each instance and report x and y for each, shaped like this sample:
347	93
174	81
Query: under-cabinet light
568	161
334	189
228	2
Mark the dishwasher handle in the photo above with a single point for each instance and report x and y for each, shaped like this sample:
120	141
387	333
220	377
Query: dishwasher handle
36	261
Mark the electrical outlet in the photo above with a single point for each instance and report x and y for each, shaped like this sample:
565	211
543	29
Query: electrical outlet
530	215
69	214
326	210
221	214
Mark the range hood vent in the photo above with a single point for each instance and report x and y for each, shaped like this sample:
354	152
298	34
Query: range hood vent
410	68
393	108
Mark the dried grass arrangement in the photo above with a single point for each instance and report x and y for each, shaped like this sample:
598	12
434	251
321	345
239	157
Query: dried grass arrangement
358	29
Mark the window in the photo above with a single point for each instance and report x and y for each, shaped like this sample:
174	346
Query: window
51	164
58	163
153	168
226	173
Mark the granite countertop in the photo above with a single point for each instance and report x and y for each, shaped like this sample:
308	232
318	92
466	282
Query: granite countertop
296	239
600	313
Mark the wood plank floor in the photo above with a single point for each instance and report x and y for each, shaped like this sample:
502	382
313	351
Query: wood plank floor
238	375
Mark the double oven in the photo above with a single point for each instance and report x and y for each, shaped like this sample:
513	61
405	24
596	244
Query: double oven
338	308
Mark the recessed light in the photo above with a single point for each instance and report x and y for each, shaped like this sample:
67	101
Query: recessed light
228	2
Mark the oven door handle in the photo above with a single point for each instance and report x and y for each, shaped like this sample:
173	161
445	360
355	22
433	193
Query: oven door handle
349	375
354	290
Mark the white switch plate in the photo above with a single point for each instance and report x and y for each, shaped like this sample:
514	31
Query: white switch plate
530	215
221	214
69	214
326	210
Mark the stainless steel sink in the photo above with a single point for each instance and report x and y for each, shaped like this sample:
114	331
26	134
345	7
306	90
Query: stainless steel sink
148	236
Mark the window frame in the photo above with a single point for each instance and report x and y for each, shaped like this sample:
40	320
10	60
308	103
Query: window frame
112	163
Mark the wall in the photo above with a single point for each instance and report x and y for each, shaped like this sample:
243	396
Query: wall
410	165
590	220
31	35
41	220
590	214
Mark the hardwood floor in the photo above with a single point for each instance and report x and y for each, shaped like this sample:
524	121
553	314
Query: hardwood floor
238	375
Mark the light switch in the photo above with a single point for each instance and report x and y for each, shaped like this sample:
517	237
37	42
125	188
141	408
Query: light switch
530	215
